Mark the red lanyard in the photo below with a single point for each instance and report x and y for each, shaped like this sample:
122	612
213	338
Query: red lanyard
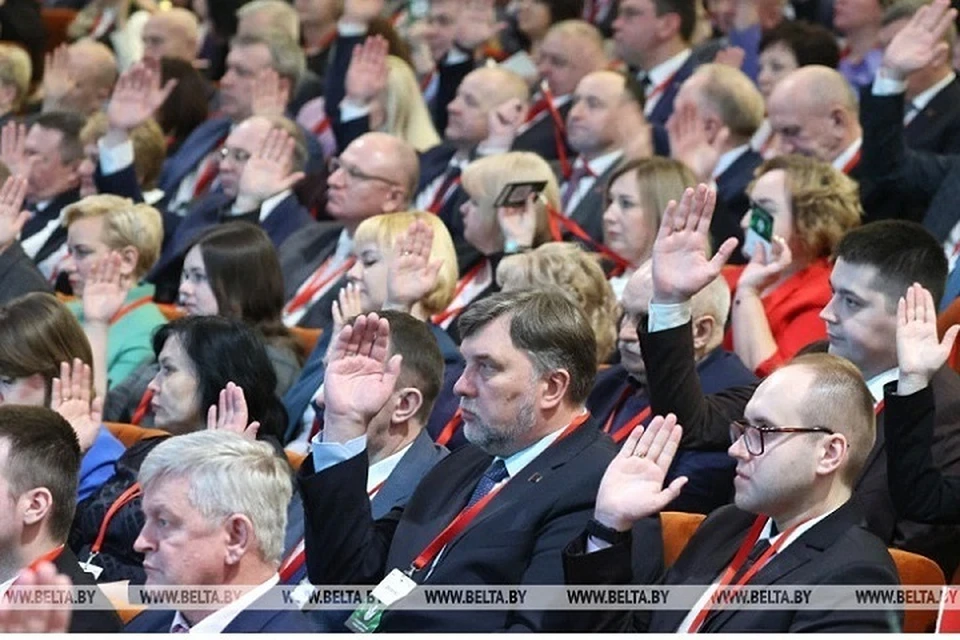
425	82
124	310
49	556
745	547
133	491
878	408
317	283
851	163
208	171
452	311
622	433
321	127
559	131
557	220
466	516
142	408
450	428
660	88
443	193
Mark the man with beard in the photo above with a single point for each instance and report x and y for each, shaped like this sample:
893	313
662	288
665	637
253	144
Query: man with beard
519	494
619	400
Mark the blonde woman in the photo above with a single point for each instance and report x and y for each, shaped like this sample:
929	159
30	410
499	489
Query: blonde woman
149	152
637	194
778	297
494	231
578	273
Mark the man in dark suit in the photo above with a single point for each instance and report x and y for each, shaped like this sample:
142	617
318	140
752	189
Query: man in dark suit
875	264
211	519
376	174
531	435
262	159
654	38
619	400
570	50
802	442
931	121
39	468
270	58
592	133
717	111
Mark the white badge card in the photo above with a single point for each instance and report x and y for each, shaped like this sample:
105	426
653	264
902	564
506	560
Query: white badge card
366	619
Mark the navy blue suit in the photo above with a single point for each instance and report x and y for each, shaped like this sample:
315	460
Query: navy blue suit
311	377
733	202
540	138
664	108
710	473
248	621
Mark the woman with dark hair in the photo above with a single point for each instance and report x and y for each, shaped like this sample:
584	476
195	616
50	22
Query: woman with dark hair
199	359
188	104
230	271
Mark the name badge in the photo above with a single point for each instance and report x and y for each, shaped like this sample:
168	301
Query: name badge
366	619
92	569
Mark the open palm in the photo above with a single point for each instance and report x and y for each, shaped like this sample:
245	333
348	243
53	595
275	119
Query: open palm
920	42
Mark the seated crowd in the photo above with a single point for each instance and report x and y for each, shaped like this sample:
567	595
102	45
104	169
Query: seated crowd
358	293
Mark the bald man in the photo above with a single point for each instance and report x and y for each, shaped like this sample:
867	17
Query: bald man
171	34
620	399
592	133
377	173
570	50
91	71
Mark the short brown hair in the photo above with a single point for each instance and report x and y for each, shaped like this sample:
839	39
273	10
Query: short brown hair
37	333
125	224
825	203
43	452
422	365
548	326
149	146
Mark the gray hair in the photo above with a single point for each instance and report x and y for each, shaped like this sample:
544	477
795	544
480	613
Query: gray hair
904	10
228	475
286	56
280	15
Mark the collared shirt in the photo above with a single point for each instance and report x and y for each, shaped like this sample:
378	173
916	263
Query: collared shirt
598	166
922	99
381	470
840	162
762	139
660	74
728	158
426	196
558	101
217	621
764	535
32	245
876	383
266	207
340	255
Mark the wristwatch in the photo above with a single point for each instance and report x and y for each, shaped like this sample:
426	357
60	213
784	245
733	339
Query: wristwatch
606	534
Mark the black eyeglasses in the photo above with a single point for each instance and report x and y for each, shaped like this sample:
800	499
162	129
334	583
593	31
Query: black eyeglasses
353	172
753	435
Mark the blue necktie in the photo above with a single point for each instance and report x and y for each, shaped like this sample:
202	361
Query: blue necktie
495	473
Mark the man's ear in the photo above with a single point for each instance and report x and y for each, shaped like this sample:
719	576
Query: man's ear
555	385
240	537
409	402
668	25
36	505
703	328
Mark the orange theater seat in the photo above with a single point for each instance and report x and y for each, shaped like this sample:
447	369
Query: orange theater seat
171	311
917	570
56	21
945	320
131	434
295	459
306	339
678	527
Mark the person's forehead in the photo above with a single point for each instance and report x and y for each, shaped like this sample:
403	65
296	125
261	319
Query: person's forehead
856	278
249	134
493	340
781	396
605	86
40	136
253	55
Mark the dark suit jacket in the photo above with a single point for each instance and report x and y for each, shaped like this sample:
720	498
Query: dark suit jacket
936	129
311	377
589	211
451	75
664	107
733	202
286	217
517	539
674	387
836	551
82	620
248	621
540	137
18	274
302	254
59	236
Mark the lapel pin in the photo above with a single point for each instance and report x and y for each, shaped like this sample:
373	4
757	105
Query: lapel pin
535	478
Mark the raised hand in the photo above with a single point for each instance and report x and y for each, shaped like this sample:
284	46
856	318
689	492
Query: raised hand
762	270
410	273
681	267
105	290
12	215
691	144
920	353
632	486
361	375
56	619
268	98
503	123
136	97
519	224
349	304
367	74
268	171
362	11
476	23
70	396
920	42
230	414
13	149
730	56
57	80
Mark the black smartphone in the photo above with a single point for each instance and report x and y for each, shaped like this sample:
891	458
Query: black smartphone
515	194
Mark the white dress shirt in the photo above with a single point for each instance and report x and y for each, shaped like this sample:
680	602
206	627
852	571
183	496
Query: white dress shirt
660	74
217	621
598	166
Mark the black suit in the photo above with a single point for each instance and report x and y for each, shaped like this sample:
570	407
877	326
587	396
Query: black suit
83	620
675	388
517	539
18	275
300	256
936	129
50	213
541	138
835	551
732	200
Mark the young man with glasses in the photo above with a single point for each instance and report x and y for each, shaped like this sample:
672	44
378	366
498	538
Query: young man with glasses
874	266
